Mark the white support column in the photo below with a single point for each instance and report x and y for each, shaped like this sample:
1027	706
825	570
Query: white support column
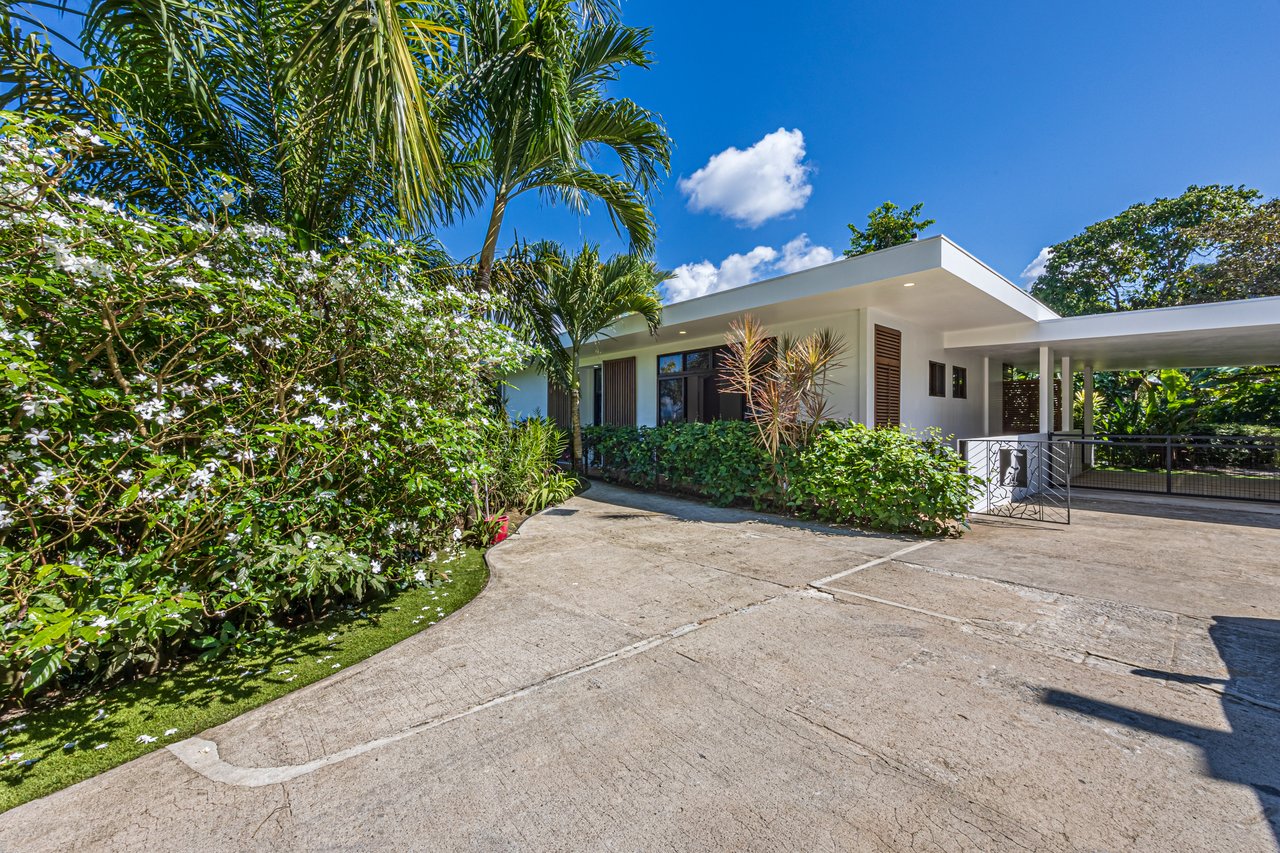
986	395
1046	389
1087	414
1068	399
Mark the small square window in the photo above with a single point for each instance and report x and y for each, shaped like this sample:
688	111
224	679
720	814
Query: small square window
937	379
669	364
960	382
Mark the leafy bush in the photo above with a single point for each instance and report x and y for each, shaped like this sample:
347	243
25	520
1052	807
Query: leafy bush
720	460
884	479
521	469
881	478
204	429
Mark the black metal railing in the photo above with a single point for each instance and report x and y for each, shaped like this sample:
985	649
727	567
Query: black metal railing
1222	466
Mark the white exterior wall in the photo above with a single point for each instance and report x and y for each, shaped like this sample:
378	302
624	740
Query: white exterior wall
960	418
845	396
526	394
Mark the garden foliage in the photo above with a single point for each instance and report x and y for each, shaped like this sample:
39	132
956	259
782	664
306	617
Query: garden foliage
883	479
205	430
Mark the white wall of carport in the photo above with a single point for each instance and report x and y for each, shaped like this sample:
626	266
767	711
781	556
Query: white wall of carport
845	396
962	418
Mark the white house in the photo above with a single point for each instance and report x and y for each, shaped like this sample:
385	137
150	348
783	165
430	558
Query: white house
930	329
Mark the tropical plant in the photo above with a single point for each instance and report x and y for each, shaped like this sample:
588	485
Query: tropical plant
521	466
529	102
887	225
206	426
784	381
323	111
579	300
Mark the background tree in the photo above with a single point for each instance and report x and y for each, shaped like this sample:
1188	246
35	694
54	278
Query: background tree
323	110
887	225
581	297
1150	255
529	99
1248	256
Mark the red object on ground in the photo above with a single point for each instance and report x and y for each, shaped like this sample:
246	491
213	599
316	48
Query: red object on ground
501	532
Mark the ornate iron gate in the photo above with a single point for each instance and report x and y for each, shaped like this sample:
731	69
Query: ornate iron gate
1021	478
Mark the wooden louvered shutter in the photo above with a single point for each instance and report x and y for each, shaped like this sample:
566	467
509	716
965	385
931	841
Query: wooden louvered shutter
888	377
620	391
558	406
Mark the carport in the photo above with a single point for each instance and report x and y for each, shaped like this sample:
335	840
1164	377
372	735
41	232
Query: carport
1225	334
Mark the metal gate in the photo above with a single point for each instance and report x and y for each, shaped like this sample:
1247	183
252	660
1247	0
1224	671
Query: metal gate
1021	478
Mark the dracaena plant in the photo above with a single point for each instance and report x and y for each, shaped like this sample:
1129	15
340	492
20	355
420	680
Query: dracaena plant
785	382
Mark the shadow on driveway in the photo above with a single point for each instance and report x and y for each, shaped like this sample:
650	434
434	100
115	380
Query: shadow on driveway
1245	755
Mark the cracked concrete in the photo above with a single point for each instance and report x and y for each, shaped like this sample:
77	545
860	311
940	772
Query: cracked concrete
644	672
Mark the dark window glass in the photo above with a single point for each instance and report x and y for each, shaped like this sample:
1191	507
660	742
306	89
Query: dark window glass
668	364
670	401
959	382
698	361
937	379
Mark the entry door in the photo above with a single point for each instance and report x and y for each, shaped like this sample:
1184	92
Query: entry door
888	377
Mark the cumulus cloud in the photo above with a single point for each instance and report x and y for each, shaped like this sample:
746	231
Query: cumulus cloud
753	186
800	254
1035	269
702	277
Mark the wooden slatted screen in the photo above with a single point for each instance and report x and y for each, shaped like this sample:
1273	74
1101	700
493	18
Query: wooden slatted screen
558	406
620	391
888	377
1021	405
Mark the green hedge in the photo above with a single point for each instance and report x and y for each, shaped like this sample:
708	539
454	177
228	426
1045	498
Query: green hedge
881	479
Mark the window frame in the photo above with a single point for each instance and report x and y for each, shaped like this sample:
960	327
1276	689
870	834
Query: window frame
959	382
938	372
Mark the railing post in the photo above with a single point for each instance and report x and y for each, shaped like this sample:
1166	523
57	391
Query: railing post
1168	464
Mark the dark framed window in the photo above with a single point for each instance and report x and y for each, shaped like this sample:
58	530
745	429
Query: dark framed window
959	382
689	388
937	379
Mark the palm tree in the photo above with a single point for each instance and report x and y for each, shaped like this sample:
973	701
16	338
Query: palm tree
322	108
529	94
580	298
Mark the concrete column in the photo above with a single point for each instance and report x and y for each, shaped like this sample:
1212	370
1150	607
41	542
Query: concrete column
1087	414
1068	409
986	395
1046	389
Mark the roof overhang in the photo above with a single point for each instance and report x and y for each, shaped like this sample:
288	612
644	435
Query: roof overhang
1220	334
950	289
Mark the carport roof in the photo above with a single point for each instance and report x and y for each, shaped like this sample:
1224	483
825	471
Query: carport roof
1220	334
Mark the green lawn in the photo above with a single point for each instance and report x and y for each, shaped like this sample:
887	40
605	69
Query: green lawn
62	745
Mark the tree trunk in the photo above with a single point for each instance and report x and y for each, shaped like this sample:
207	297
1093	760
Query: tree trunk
484	271
575	415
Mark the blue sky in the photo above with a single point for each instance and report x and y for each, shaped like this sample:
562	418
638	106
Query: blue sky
1017	124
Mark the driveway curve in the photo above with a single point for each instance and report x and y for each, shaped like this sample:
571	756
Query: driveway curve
643	672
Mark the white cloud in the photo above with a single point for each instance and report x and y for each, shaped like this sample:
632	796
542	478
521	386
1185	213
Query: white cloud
702	277
800	254
1035	269
753	186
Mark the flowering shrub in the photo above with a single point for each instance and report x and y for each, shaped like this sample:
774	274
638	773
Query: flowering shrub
202	429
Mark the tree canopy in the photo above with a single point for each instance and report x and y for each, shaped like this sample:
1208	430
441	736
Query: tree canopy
887	225
1165	252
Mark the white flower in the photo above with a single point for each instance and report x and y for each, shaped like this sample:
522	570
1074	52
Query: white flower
35	436
168	732
420	576
375	566
6	516
101	746
227	198
145	739
102	622
126	475
457	534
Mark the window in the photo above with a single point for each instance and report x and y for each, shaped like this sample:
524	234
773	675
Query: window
690	390
959	382
937	379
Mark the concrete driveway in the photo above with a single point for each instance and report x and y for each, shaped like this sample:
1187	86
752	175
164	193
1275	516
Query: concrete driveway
645	673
